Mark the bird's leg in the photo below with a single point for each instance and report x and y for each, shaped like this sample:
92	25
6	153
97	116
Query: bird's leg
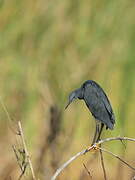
100	131
95	135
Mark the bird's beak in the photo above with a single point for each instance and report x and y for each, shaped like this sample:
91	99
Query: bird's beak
67	105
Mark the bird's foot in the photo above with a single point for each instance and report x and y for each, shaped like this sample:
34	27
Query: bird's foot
93	148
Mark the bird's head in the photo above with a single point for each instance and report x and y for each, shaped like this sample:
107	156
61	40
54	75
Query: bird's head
74	95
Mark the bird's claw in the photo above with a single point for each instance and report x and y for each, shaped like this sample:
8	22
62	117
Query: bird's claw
93	147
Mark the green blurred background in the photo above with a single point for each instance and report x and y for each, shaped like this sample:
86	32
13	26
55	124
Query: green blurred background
48	48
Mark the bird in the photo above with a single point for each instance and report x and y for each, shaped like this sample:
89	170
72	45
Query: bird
98	104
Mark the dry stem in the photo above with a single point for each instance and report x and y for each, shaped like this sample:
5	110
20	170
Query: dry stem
26	151
102	163
116	156
89	174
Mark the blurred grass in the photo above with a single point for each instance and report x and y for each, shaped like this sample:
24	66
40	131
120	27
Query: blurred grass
47	49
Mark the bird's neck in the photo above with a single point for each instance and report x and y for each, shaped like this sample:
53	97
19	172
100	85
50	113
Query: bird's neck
79	93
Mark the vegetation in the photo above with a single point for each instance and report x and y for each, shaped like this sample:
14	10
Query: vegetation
47	49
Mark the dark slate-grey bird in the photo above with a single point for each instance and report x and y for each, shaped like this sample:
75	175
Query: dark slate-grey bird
98	104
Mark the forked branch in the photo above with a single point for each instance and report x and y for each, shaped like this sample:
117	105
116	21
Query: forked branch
96	146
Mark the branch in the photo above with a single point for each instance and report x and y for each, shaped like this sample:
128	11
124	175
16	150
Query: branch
89	174
116	138
93	147
26	151
116	156
102	163
17	158
20	133
67	163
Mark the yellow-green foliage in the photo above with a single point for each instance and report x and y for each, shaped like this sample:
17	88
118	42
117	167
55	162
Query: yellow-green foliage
48	48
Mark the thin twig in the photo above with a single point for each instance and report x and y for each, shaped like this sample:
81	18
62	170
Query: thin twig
26	151
22	174
102	163
67	163
17	158
87	171
5	109
8	115
90	161
20	160
116	138
20	133
116	156
95	146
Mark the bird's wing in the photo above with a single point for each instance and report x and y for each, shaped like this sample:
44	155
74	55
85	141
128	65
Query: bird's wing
106	102
93	89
